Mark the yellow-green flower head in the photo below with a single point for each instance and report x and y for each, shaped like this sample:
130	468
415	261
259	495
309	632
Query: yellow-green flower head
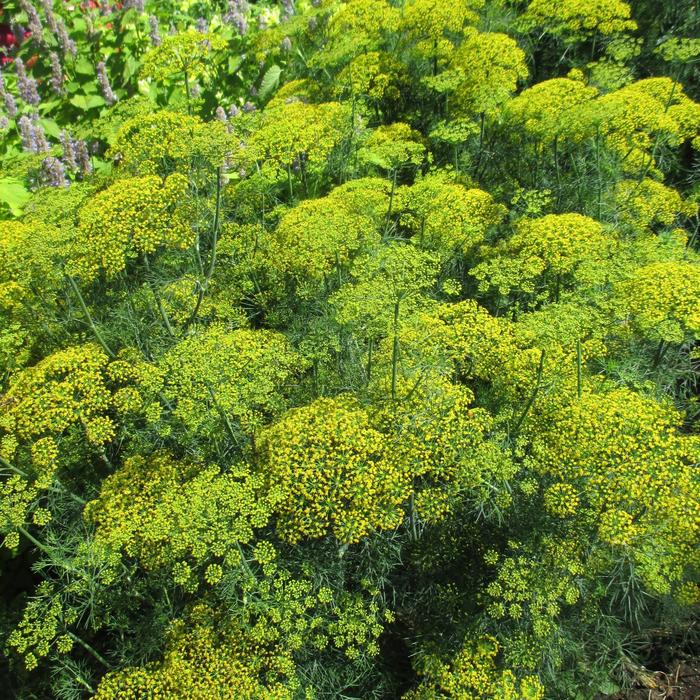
569	248
487	67
661	301
393	146
320	234
208	656
240	374
472	674
167	513
355	28
446	216
375	76
162	142
435	26
293	134
545	110
561	500
332	472
575	20
634	475
649	203
187	52
132	217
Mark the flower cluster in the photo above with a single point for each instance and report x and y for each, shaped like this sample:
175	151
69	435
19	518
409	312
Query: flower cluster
220	379
319	235
473	675
662	301
135	216
558	250
332	471
208	656
170	514
633	471
185	54
574	20
293	135
163	142
446	216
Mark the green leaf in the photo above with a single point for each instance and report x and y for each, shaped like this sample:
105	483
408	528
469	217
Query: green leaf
50	127
14	194
84	67
86	102
131	67
270	81
234	64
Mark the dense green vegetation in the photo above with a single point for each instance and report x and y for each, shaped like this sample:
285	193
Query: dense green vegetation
348	349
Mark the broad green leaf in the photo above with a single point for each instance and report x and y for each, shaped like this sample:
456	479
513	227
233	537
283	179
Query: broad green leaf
14	194
86	102
270	81
84	67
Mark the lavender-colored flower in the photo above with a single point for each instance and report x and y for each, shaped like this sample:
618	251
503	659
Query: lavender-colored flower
50	16
137	5
42	145
107	92
286	45
234	111
10	104
26	133
33	22
68	150
4	123
56	79
82	157
220	114
27	86
154	35
67	44
288	6
253	91
249	108
54	174
19	32
202	27
195	91
235	15
8	99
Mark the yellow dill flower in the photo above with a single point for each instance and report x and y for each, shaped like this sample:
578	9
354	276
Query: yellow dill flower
132	217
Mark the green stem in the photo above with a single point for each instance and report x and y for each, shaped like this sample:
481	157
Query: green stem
89	649
579	364
24	475
391	202
25	533
369	359
221	413
88	317
395	352
159	302
203	288
533	396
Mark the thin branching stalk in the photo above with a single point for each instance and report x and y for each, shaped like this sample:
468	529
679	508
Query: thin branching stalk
96	655
533	396
579	384
204	287
88	318
159	302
